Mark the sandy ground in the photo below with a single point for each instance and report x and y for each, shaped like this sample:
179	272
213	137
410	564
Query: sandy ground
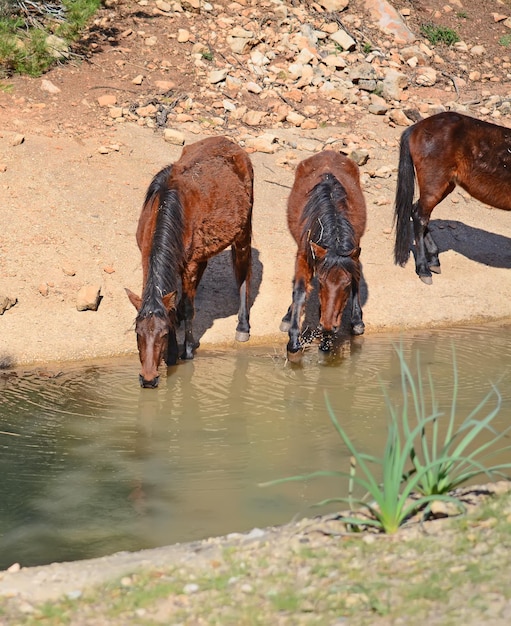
69	216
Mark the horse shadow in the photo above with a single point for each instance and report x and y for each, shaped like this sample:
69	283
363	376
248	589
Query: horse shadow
473	243
217	295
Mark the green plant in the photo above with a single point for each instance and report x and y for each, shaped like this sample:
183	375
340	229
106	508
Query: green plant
366	48
505	41
415	471
462	15
445	462
439	34
23	37
207	54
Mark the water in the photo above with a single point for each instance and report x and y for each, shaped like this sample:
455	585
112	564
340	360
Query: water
91	464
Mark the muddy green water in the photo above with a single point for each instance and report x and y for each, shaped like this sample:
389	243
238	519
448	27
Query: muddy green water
91	464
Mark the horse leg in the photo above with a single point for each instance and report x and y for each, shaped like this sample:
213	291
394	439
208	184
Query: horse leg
301	284
171	355
420	224
421	211
357	325
286	320
242	264
432	252
191	280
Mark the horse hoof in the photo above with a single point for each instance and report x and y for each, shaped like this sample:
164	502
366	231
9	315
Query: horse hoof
242	336
358	329
436	269
427	280
284	326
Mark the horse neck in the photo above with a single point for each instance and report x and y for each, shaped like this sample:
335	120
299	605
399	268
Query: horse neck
326	222
166	256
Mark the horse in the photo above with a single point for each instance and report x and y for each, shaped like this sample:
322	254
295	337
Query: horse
193	209
326	215
442	151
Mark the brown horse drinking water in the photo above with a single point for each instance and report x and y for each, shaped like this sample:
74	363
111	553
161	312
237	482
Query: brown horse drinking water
326	215
193	210
443	151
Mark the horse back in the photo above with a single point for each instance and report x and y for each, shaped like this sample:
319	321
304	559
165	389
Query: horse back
214	179
312	171
466	151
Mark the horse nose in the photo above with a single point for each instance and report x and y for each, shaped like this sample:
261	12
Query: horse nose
148	384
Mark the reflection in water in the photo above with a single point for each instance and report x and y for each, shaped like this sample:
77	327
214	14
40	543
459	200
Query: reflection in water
94	464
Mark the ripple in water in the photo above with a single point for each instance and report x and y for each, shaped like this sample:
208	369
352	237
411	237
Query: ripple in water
93	464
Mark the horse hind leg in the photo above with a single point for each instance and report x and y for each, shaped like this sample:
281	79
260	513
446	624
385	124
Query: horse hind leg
242	264
432	252
426	250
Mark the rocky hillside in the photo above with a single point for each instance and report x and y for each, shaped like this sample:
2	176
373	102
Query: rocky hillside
247	65
251	64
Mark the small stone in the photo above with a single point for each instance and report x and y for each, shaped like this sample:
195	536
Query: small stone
17	139
6	302
88	298
138	80
107	100
174	137
43	289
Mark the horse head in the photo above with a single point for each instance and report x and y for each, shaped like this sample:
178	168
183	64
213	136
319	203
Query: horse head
153	329
335	276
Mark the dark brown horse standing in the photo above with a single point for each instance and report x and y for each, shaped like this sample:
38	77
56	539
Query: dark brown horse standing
326	214
442	151
193	210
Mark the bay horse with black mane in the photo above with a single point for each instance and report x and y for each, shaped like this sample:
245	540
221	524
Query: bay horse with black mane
326	214
193	210
442	151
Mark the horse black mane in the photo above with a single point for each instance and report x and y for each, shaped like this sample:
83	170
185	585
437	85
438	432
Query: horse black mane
166	258
327	225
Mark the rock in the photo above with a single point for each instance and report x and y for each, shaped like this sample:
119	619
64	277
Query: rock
389	21
426	76
48	86
183	35
217	76
174	137
399	118
138	80
57	47
107	100
6	302
393	84
266	143
344	40
17	139
88	298
333	5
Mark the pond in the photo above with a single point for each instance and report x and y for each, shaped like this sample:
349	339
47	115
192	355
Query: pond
92	464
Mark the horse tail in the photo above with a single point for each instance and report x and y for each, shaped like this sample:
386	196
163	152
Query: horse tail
404	199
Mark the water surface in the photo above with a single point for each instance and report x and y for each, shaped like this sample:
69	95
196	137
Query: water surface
91	464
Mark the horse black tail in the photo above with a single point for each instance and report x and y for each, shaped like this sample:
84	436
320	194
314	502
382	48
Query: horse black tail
404	200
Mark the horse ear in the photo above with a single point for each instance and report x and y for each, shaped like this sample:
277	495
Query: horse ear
169	300
135	300
317	251
355	255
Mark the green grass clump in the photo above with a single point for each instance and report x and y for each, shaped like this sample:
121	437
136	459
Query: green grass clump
418	465
439	34
24	47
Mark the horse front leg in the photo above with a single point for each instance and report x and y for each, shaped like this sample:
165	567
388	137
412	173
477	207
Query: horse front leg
419	229
301	286
191	280
172	353
357	324
242	264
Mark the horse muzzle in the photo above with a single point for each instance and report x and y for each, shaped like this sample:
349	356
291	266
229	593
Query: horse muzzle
148	384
